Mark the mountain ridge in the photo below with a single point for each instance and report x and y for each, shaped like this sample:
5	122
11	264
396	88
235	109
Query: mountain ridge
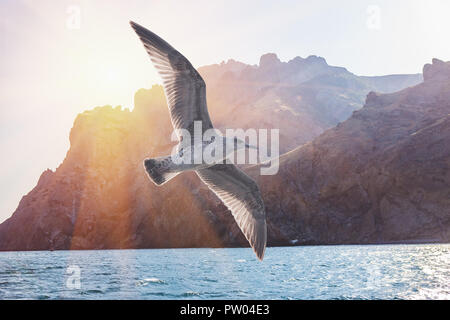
303	97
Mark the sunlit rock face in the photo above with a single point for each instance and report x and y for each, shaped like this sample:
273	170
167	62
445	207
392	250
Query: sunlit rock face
100	197
380	176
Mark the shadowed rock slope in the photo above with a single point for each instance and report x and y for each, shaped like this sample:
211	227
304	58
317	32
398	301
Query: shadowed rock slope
381	176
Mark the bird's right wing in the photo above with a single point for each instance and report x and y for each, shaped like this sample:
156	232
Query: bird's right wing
241	195
184	87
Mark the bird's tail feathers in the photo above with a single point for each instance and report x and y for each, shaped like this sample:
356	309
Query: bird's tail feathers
159	169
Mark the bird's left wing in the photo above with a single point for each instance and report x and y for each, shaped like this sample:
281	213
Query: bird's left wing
184	87
241	195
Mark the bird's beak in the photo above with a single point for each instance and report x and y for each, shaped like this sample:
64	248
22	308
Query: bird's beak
251	147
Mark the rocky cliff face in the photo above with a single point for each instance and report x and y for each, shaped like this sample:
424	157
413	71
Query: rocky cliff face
381	176
100	197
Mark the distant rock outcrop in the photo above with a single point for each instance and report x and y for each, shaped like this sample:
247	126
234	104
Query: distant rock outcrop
381	176
269	61
438	69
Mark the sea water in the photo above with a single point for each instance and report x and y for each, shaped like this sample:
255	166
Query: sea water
303	272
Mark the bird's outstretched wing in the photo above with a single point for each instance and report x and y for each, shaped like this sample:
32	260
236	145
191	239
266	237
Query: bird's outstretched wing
241	195
184	87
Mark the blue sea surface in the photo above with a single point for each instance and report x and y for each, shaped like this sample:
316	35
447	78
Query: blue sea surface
305	272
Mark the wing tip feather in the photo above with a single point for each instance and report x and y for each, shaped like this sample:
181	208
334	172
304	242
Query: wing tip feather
260	241
260	253
134	25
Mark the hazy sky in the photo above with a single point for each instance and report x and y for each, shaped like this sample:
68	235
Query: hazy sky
59	58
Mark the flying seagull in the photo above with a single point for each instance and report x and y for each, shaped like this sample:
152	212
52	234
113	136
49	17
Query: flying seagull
185	92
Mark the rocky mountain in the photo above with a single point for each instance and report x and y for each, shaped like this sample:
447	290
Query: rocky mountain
303	97
380	176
